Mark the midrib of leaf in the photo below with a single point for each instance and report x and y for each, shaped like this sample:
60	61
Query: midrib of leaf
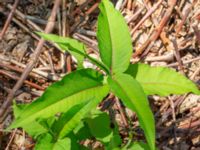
111	39
56	105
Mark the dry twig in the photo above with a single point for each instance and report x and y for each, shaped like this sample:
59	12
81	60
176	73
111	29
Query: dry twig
9	19
29	67
158	30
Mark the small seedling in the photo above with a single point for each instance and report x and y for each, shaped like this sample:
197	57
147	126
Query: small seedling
65	114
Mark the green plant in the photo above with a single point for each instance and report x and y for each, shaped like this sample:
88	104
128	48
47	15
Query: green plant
65	114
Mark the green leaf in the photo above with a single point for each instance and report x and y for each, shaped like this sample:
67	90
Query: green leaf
62	144
115	141
82	131
99	125
74	117
65	117
46	143
93	60
75	145
67	44
79	57
76	48
160	80
18	108
131	93
113	38
47	122
75	88
34	129
138	146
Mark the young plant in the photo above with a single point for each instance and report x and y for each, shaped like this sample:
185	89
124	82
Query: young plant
64	115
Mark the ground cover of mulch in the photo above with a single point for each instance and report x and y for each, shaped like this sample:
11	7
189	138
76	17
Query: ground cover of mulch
164	33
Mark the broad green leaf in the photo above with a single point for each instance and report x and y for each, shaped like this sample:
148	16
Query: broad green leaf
77	116
72	43
76	48
161	80
45	138
18	108
75	145
65	117
75	88
131	93
34	129
82	131
93	60
113	38
138	146
67	44
84	55
46	143
115	141
47	122
99	125
79	57
62	144
74	118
